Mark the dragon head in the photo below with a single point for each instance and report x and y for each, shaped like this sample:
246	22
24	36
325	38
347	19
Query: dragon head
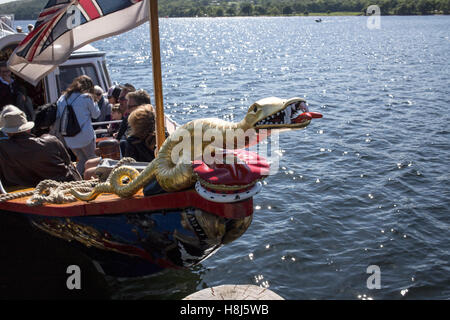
278	114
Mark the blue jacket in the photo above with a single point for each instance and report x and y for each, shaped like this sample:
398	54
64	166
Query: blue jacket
85	109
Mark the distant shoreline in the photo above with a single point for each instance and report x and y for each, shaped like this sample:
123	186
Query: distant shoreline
30	9
313	14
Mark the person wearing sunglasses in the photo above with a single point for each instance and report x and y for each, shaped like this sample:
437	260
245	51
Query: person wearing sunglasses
134	100
125	89
123	102
103	105
127	106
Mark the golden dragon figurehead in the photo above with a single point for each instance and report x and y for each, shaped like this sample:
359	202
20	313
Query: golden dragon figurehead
278	114
263	117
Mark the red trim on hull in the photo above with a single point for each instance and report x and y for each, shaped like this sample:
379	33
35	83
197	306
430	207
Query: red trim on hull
112	205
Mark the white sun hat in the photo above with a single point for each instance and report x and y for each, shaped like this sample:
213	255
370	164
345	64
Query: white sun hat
14	120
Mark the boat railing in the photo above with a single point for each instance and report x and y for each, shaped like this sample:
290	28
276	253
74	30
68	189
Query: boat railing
95	124
171	125
102	132
6	24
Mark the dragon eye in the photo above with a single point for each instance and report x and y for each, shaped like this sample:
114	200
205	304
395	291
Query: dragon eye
255	108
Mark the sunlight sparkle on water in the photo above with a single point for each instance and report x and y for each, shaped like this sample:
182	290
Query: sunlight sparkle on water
364	297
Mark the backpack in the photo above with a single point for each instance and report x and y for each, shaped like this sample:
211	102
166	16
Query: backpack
69	126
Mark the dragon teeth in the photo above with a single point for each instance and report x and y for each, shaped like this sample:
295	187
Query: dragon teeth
287	115
296	114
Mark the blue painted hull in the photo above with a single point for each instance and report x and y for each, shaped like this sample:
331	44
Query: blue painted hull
140	244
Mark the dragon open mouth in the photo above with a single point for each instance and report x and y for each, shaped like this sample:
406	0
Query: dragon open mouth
295	113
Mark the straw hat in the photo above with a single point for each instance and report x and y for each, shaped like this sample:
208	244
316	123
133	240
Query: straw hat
14	120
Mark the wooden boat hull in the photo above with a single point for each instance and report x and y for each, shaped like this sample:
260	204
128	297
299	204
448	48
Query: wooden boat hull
177	230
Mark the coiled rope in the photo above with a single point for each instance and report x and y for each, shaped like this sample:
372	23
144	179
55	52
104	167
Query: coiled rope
49	191
54	192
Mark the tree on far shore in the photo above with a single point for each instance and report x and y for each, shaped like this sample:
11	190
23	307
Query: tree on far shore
246	9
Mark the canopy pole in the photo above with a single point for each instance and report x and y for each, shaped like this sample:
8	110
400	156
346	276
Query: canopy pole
157	75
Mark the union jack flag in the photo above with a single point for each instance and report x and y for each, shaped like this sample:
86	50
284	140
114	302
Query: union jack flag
66	25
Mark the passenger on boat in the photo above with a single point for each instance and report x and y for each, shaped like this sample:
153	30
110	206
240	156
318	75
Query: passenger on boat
124	90
115	116
11	93
8	87
134	100
24	103
137	149
79	95
103	105
26	160
114	94
30	28
123	100
91	165
140	145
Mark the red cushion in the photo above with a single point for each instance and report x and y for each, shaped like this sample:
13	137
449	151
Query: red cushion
252	169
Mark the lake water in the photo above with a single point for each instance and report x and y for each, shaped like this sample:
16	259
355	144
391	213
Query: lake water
369	184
